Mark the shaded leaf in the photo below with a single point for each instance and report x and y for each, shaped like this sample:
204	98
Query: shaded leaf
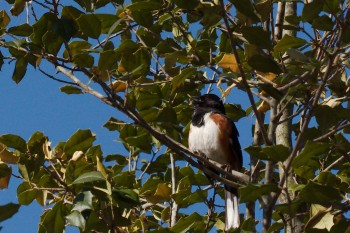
315	193
277	153
5	175
288	42
90	25
180	79
68	89
89	177
14	141
251	192
53	220
21	30
20	70
8	210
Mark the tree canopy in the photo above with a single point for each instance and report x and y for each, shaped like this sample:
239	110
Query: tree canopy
145	59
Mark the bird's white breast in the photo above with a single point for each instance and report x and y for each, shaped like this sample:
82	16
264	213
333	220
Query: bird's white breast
205	139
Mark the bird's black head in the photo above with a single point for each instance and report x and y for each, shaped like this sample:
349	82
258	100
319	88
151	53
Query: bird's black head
207	103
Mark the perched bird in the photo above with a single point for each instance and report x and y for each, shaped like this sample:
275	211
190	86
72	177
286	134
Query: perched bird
215	136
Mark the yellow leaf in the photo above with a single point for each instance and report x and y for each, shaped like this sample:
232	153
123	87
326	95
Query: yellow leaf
100	167
7	156
228	90
118	86
263	107
266	76
321	218
229	61
163	191
121	68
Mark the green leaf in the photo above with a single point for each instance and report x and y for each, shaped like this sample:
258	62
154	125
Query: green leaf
315	193
186	223
18	7
257	36
277	153
108	60
20	70
76	219
36	142
53	220
90	25
288	42
310	154
52	42
21	30
247	8
89	177
186	4
125	197
180	79
8	210
26	194
251	192
323	23
312	10
145	5
142	141
80	141
264	64
68	89
14	141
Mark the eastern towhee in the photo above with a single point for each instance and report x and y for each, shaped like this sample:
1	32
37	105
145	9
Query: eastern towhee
215	136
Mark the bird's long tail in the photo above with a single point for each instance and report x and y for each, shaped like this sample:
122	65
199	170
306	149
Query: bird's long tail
231	209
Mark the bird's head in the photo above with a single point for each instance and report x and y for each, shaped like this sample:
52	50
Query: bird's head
208	101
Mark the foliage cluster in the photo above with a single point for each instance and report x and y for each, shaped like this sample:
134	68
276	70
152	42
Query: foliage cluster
144	58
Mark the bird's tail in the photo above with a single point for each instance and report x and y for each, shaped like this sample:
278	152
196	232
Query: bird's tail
231	209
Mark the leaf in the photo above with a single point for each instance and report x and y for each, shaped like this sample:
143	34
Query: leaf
14	141
5	175
186	223
321	218
188	4
228	61
287	42
20	70
76	219
118	86
6	156
18	7
310	154
4	19
21	30
89	177
80	141
114	124
264	64
323	23
145	5
53	220
276	153
108	60
26	194
315	193
90	25
180	79
312	10
83	201
246	8
69	89
251	192
8	210
257	36
126	197
163	191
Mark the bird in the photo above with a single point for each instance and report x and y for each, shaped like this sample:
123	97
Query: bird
213	135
